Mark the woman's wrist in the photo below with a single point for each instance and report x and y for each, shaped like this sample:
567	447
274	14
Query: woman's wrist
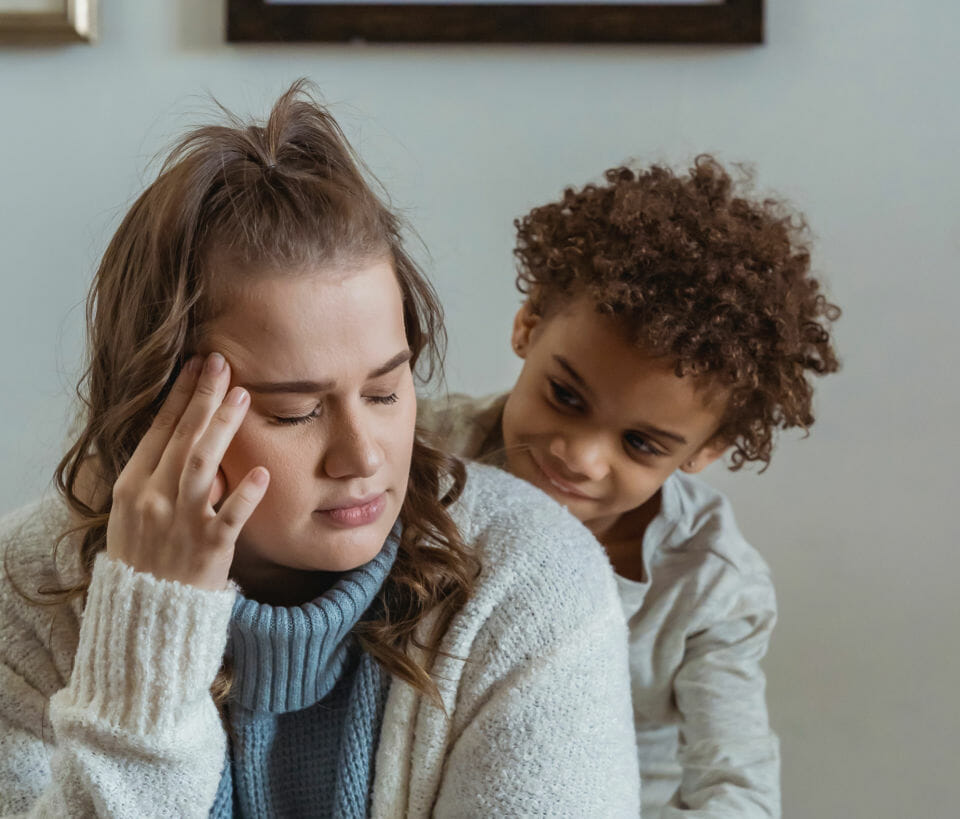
148	649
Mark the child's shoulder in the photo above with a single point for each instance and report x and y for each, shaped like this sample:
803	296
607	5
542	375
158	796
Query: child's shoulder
460	423
458	404
701	522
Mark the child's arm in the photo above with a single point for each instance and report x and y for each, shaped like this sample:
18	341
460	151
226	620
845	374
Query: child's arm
135	732
729	755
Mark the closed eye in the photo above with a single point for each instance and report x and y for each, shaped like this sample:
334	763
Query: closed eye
290	420
299	419
383	399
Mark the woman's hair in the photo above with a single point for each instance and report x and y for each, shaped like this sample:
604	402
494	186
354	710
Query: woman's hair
283	193
697	271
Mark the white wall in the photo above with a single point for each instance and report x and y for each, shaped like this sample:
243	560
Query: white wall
850	109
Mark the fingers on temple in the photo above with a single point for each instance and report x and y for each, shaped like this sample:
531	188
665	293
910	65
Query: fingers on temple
203	460
151	447
239	505
208	393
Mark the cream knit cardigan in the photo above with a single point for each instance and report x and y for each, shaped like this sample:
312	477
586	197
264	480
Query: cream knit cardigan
106	711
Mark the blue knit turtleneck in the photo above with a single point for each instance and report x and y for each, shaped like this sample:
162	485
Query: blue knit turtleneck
306	703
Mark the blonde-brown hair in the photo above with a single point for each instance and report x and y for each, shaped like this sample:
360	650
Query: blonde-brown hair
284	192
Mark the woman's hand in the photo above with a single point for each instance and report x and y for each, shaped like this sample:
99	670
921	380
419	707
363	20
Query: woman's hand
163	521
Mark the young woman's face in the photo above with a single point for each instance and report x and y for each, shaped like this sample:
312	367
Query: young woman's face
596	423
325	359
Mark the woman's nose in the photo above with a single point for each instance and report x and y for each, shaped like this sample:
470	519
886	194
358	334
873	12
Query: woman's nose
352	450
583	455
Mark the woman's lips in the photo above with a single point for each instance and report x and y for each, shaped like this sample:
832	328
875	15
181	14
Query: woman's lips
355	512
564	487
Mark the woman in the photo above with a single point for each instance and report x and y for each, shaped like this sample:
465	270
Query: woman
270	597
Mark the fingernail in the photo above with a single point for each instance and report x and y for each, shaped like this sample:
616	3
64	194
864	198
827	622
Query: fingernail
215	363
193	365
259	476
236	397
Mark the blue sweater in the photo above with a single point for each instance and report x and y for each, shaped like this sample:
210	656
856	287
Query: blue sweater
306	704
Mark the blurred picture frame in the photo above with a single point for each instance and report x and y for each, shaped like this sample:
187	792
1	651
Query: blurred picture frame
47	21
463	21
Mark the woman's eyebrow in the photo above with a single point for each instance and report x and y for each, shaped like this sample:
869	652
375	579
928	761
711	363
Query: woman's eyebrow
313	387
400	358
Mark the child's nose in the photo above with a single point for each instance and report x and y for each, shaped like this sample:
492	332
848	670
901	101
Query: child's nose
583	455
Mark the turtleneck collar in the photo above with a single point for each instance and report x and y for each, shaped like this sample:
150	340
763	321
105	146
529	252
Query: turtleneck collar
288	658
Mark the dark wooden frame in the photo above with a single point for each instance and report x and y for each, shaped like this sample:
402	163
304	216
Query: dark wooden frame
733	21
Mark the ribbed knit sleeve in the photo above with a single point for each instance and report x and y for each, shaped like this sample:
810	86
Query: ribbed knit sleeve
135	730
149	650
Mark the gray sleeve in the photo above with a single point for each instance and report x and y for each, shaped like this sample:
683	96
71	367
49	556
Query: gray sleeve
729	756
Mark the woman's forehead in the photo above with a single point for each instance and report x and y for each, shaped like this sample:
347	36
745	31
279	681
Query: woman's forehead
326	319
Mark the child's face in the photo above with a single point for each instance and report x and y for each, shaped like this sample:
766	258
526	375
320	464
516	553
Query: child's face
595	422
325	359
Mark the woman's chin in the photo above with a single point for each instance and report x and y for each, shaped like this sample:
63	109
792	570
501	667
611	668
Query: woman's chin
344	551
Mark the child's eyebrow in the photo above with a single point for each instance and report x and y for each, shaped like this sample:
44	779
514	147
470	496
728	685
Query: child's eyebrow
313	387
664	434
574	375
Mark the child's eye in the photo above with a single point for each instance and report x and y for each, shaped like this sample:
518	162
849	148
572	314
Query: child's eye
637	443
564	397
298	419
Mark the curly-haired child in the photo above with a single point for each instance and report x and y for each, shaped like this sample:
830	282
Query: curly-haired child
670	319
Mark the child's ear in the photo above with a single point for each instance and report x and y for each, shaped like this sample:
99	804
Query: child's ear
703	457
523	324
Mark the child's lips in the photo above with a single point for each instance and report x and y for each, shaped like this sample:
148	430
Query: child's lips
559	483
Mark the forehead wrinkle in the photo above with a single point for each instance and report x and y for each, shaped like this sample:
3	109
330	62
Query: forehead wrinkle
313	387
272	331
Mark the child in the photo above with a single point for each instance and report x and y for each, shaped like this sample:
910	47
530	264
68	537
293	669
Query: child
264	594
669	319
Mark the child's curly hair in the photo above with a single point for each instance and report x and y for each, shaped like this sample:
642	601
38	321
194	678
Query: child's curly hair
697	271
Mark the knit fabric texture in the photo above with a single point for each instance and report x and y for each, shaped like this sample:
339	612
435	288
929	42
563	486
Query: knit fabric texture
105	709
306	705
